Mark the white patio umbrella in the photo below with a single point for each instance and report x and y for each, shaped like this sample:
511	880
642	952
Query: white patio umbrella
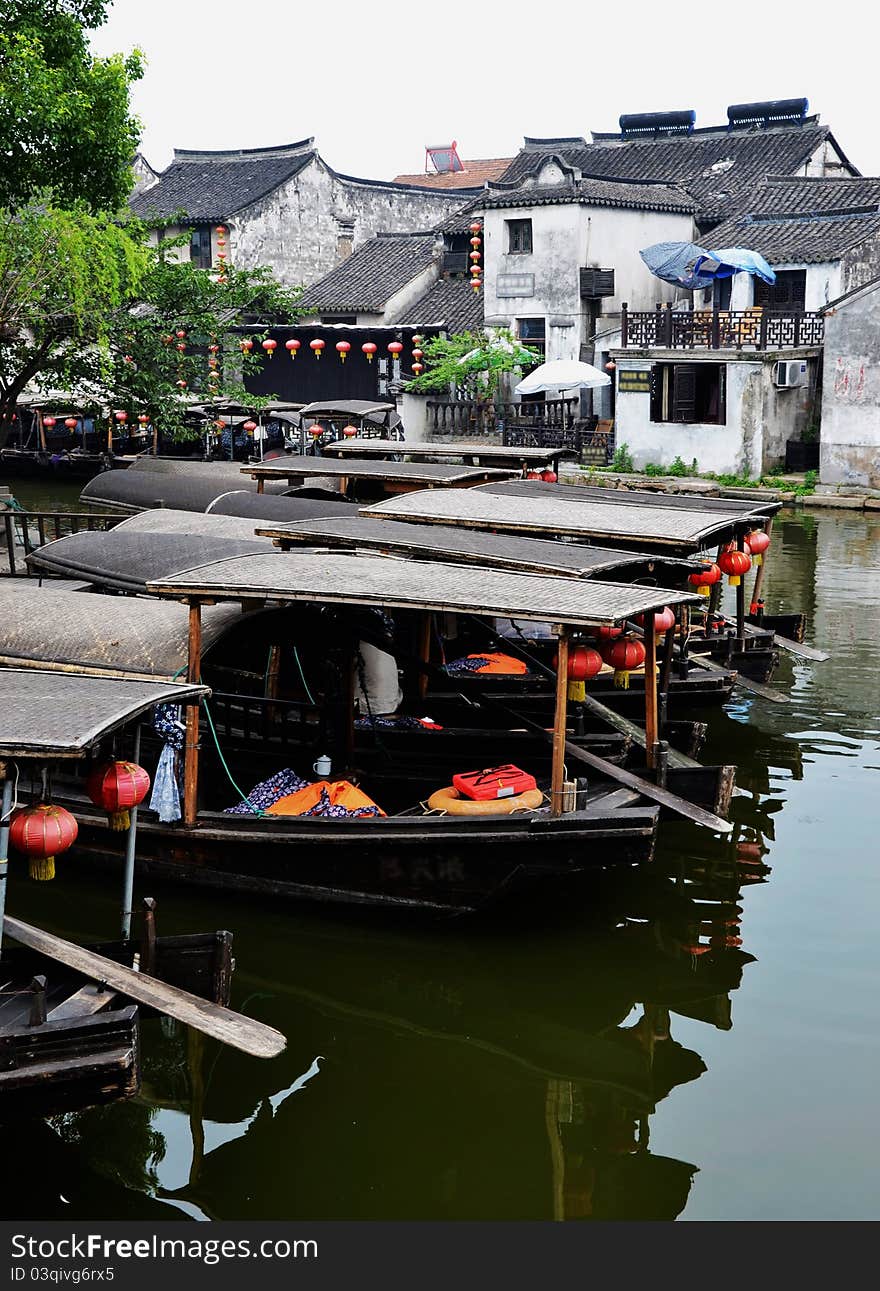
562	374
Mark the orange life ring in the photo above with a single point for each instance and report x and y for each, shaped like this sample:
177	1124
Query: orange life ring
451	801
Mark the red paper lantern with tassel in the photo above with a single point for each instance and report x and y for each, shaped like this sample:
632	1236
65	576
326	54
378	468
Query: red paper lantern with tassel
349	432
758	544
180	334
369	348
395	349
49	422
317	346
292	347
249	426
270	346
583	663
549	477
42	832
418	369
734	564
623	655
663	620
71	423
144	418
117	787
246	346
705	579
342	348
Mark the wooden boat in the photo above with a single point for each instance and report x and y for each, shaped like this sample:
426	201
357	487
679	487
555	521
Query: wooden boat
68	1041
407	858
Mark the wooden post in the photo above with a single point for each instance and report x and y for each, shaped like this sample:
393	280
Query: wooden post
130	842
557	772
193	673
650	689
42	431
148	937
260	483
155	440
759	577
4	846
424	650
38	1002
740	601
666	669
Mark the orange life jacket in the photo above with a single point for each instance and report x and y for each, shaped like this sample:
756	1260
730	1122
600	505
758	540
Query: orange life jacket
501	663
341	793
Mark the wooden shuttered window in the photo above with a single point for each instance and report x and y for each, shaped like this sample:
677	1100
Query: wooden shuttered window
788	294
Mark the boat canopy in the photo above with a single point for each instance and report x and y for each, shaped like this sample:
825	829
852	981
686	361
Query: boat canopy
471	546
450	448
604	519
288	506
355	578
64	631
165	520
127	560
755	507
190	489
296	466
56	715
348	408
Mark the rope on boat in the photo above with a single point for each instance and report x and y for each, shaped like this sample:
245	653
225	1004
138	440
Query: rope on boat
309	695
258	811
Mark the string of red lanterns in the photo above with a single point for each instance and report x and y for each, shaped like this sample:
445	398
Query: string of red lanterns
476	255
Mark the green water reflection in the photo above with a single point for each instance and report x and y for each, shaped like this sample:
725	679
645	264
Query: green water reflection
699	1041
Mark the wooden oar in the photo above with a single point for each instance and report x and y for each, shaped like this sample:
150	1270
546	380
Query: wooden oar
234	1029
653	792
802	651
709	665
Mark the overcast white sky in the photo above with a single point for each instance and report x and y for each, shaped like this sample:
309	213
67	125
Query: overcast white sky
376	80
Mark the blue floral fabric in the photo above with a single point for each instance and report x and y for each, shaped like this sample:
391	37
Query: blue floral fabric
267	792
165	797
337	812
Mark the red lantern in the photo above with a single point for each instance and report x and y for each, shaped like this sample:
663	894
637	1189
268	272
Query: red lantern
395	349
475	255
663	620
610	365
342	348
212	364
122	418
316	431
118	786
476	227
213	349
623	656
583	663
181	347
734	564
317	346
180	335
417	354
181	385
533	475
704	579
475	283
349	432
221	229
42	832
369	349
292	347
475	270
246	346
418	369
549	477
166	340
417	340
758	544
250	427
270	346
144	418
49	421
608	634
71	423
220	423
475	242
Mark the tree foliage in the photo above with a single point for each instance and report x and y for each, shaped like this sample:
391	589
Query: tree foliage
65	121
87	307
472	362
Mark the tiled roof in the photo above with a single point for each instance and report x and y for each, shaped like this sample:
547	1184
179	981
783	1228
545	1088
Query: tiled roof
214	185
793	240
367	280
451	303
473	174
796	195
719	168
590	192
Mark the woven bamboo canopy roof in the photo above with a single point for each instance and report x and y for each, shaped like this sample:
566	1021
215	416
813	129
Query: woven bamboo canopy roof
56	715
119	636
545	513
127	560
748	507
437	473
167	520
355	578
451	448
469	546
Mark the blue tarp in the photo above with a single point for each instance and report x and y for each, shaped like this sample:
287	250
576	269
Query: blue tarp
689	265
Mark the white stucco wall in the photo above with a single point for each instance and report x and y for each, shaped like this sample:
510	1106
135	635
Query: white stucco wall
734	448
850	436
566	238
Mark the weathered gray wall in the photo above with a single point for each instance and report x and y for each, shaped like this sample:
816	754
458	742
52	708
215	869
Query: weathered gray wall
850	437
308	225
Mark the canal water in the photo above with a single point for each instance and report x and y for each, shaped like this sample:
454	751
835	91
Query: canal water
698	1042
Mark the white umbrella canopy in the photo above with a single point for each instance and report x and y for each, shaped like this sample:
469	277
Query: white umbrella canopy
563	374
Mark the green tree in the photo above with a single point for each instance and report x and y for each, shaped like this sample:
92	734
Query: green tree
89	308
65	121
472	362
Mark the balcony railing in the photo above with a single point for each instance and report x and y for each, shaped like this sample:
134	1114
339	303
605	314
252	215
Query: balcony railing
719	329
466	417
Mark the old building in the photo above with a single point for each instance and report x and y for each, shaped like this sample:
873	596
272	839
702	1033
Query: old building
445	169
719	165
850	440
284	207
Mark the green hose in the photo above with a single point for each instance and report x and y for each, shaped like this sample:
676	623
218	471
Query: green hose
256	810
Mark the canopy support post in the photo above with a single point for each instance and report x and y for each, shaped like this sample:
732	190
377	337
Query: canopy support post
650	689
193	673
424	650
740	601
5	809
128	880
557	772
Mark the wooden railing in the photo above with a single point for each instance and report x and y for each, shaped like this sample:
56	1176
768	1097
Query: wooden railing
466	417
719	329
27	530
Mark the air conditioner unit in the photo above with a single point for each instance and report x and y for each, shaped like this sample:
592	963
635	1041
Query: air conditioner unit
789	372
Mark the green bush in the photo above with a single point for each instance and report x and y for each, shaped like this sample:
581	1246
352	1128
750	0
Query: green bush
622	460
